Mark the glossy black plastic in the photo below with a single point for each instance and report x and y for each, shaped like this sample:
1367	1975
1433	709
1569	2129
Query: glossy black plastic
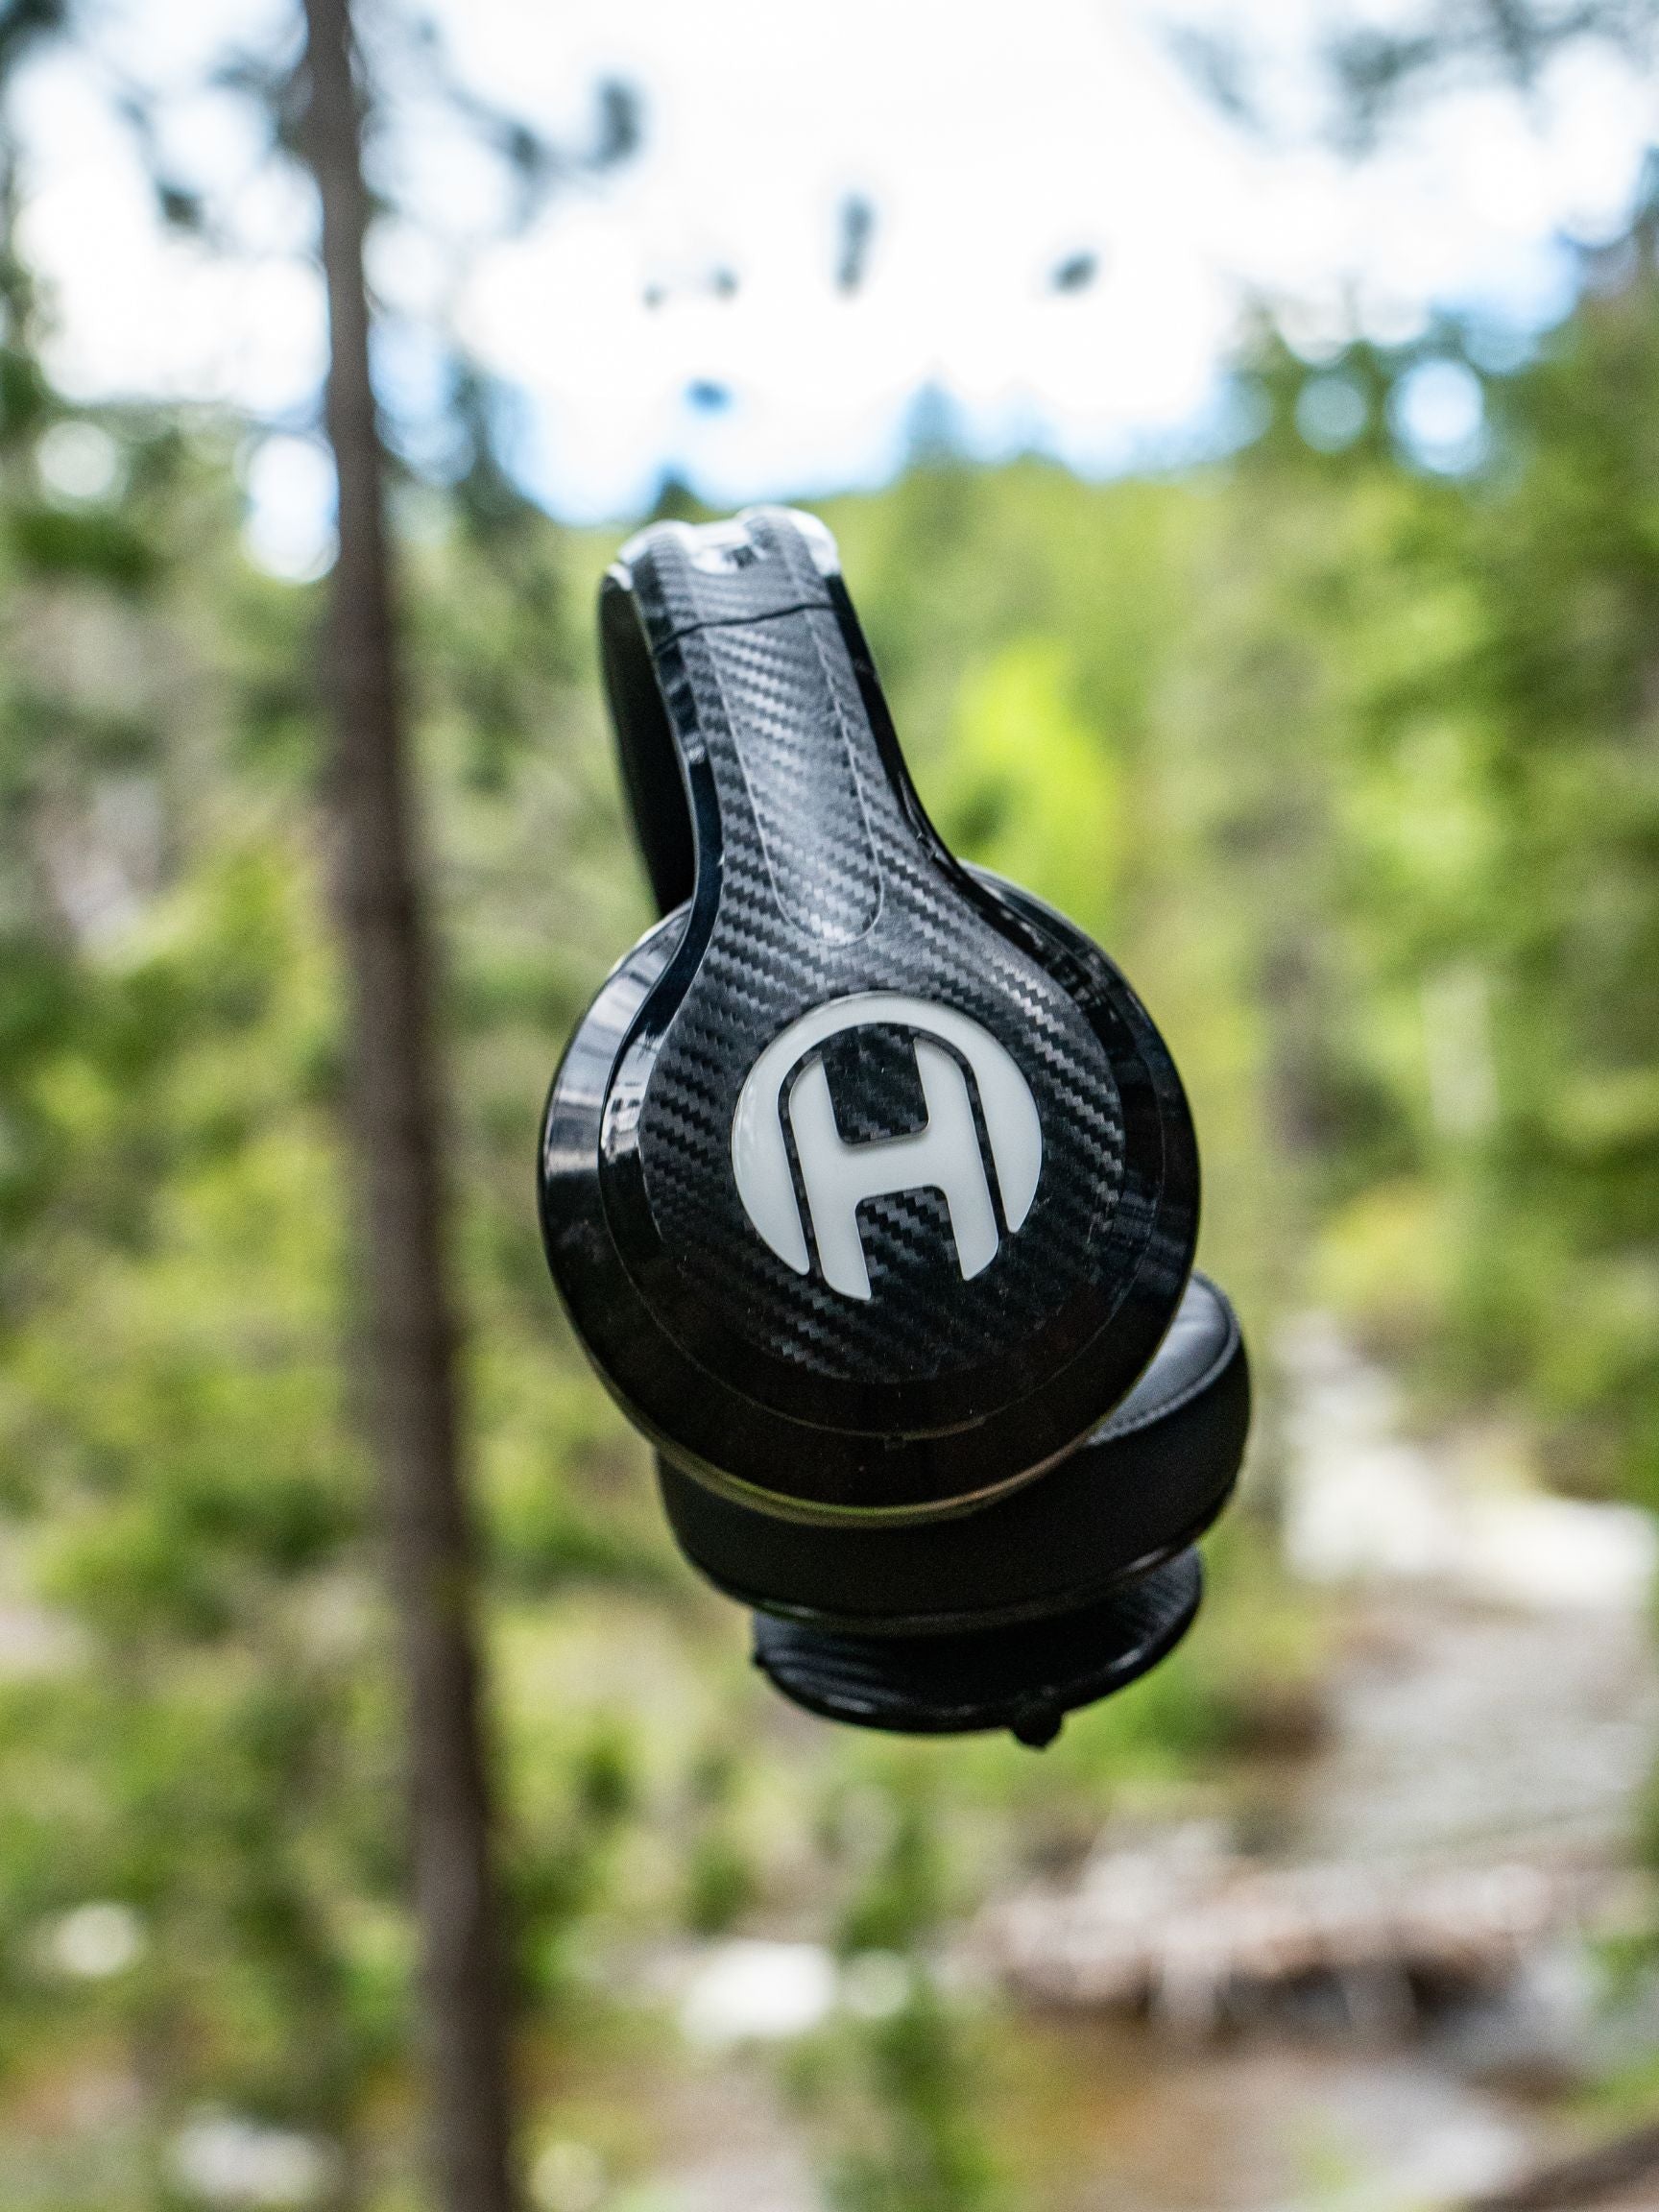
770	793
1025	1678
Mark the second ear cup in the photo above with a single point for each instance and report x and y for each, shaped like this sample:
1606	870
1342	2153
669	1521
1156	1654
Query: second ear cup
1149	1478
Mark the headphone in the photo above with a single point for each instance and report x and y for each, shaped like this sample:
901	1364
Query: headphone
871	1192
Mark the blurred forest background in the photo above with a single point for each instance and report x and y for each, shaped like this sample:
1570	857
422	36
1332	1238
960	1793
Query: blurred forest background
1351	761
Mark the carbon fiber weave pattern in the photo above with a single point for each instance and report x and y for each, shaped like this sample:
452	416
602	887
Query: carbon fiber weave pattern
823	890
802	791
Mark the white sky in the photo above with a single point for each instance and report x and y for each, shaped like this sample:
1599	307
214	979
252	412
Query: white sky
993	138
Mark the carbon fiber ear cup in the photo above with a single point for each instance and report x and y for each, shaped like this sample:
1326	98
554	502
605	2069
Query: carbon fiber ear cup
868	1184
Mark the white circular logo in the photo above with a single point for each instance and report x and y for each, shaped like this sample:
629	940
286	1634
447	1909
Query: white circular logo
837	1177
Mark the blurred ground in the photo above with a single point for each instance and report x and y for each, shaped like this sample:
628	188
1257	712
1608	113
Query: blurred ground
1487	1721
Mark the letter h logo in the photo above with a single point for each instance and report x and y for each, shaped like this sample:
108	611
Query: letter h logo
837	1177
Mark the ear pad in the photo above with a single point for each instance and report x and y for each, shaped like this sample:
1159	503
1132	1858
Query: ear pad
1149	1478
869	1183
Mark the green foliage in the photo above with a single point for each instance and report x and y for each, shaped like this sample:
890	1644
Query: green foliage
720	1881
1065	829
53	542
918	2147
891	2085
203	1739
899	1902
1470	995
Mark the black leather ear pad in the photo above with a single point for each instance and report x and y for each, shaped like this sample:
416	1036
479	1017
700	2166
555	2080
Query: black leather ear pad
1150	1477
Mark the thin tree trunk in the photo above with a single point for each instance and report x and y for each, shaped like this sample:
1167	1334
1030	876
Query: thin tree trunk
410	1334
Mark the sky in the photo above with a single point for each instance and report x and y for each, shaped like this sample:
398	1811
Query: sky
681	313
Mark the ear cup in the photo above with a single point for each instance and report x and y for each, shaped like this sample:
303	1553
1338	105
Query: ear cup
1148	1480
869	1183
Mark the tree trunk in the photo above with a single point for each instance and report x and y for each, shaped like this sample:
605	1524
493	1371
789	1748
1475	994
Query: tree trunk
409	1338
